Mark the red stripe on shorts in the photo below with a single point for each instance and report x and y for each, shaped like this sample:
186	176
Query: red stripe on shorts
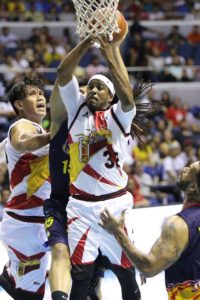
77	256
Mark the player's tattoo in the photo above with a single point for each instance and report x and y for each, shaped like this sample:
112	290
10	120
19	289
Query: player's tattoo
166	248
168	233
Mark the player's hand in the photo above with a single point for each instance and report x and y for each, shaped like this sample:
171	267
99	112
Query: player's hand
102	40
110	223
104	45
118	43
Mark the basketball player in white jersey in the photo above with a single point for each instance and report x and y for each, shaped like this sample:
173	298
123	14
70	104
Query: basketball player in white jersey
97	135
22	228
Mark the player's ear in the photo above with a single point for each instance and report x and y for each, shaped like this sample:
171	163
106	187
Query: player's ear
193	186
111	97
18	105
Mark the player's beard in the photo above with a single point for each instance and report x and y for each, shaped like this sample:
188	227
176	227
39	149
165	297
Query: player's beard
182	185
94	106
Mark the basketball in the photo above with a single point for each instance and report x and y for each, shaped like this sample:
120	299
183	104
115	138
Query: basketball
101	17
122	24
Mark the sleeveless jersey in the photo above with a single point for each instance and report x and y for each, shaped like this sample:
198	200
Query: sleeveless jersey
59	163
29	178
96	158
96	145
183	277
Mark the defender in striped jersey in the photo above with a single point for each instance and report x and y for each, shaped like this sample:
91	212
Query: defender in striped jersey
97	135
177	250
22	227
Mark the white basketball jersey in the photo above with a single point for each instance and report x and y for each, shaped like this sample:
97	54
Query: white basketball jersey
29	178
96	146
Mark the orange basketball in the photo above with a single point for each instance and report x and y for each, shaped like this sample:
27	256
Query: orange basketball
122	24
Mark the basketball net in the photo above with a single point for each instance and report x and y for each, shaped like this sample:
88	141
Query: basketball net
96	17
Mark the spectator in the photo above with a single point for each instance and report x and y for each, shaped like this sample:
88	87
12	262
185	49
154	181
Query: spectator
52	14
134	187
142	153
35	36
136	55
189	71
156	61
136	27
95	67
175	38
196	10
174	57
8	39
156	13
194	35
175	69
4	13
20	61
176	112
143	182
174	163
32	15
7	115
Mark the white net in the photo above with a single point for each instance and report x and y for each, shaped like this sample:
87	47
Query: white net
96	17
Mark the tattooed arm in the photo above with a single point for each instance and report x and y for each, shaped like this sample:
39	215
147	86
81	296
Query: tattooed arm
165	251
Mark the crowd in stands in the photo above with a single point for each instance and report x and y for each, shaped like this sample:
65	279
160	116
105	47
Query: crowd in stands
172	142
171	57
173	137
62	10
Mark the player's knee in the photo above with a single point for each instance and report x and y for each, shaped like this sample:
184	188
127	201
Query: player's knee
60	252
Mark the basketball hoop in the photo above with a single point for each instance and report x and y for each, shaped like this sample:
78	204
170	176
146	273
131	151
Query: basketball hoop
96	17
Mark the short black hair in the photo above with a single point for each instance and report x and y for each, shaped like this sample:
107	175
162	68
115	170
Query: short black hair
106	74
18	91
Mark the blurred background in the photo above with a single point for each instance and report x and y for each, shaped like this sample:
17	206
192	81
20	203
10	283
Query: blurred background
163	45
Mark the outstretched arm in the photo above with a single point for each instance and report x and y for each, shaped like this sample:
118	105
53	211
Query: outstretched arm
111	53
65	72
67	66
165	251
58	111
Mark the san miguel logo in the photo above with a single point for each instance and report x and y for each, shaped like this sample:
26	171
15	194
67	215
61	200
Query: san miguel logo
89	145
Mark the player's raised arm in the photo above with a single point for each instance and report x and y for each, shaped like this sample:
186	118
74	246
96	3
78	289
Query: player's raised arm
57	109
67	66
111	53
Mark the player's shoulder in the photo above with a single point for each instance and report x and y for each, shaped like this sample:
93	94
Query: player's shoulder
174	226
24	125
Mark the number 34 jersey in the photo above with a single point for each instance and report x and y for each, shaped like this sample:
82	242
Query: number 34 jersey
96	147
